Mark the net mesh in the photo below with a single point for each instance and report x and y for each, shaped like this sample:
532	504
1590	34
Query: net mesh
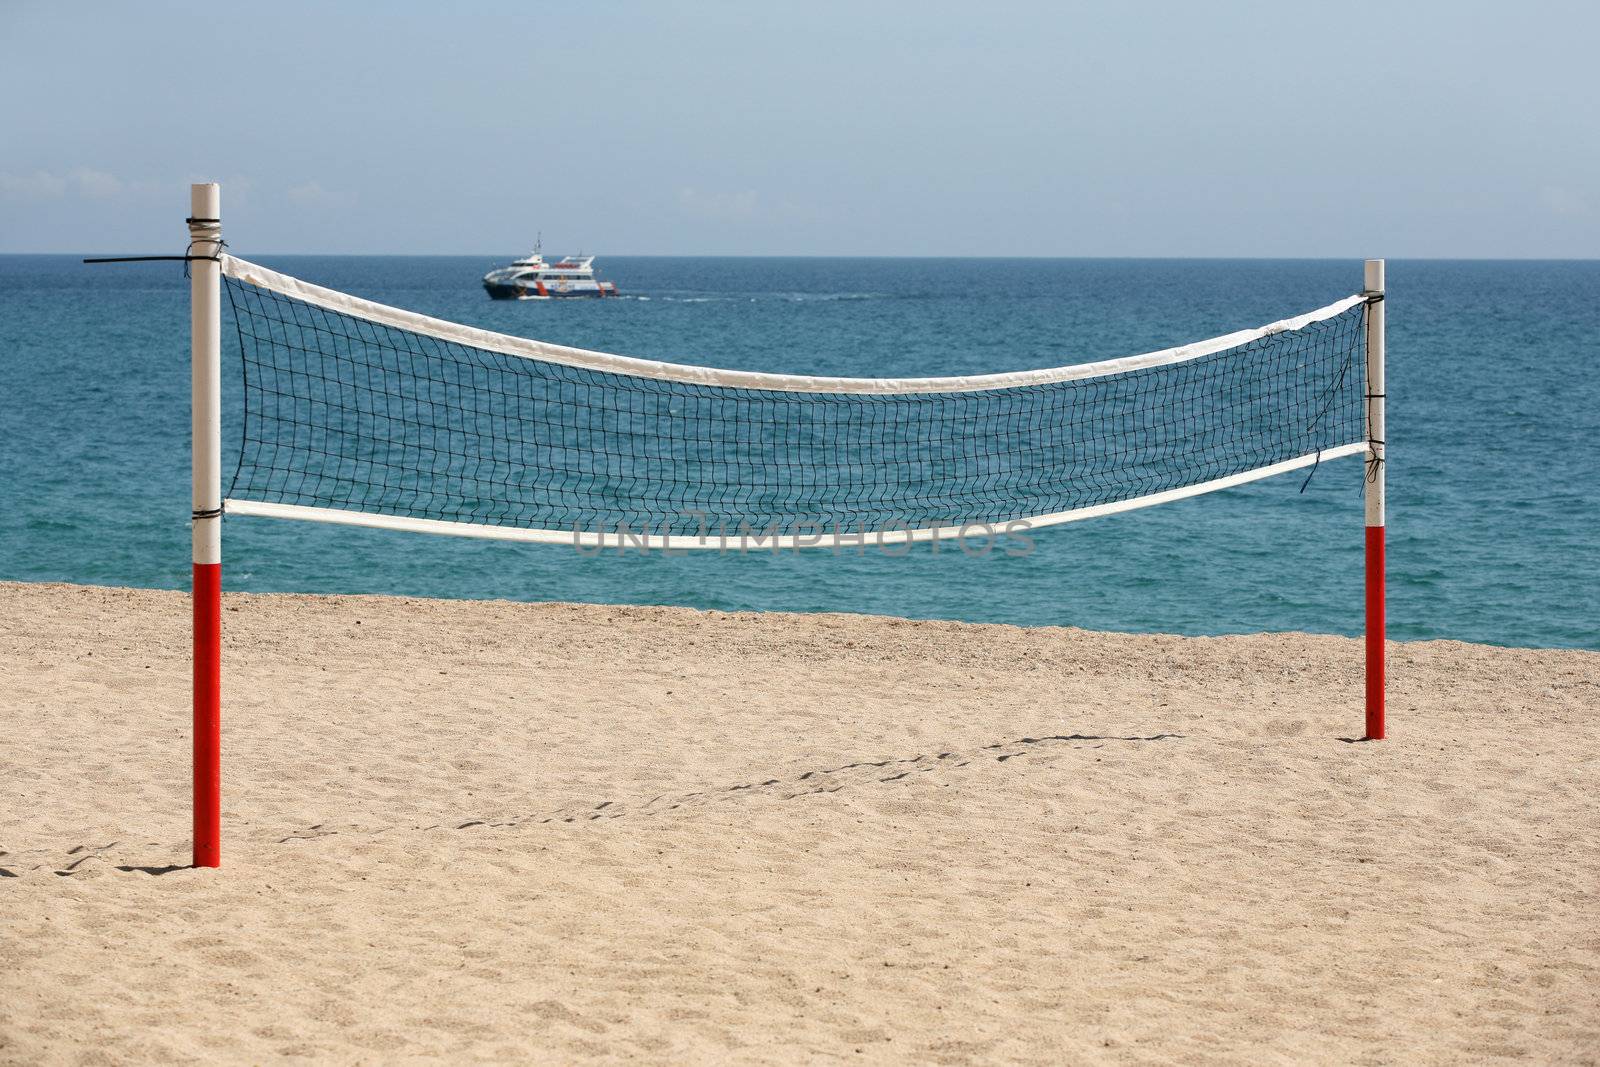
341	412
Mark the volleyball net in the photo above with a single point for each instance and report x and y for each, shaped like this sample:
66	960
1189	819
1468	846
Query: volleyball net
360	413
363	414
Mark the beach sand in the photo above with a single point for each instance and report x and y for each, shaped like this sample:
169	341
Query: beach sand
556	833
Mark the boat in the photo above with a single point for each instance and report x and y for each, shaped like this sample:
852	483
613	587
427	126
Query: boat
531	278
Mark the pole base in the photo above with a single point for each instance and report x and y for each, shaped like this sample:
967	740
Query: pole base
207	599
1375	634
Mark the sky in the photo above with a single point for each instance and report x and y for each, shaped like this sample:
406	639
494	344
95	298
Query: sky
1397	129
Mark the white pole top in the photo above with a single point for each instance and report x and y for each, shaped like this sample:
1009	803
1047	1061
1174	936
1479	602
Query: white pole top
1377	451
205	200
205	331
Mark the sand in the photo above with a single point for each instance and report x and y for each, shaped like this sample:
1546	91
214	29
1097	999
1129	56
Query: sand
561	833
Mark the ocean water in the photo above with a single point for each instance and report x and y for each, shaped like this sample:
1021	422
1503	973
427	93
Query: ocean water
1494	417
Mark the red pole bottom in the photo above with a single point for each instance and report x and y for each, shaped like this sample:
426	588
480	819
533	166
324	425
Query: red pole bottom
1375	633
207	714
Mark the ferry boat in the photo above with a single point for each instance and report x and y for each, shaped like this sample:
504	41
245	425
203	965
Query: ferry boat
531	278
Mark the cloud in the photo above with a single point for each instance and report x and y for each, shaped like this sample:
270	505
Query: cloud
40	185
1563	201
83	182
311	194
95	184
718	205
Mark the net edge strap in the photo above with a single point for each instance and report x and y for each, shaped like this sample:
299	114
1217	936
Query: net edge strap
441	329
821	539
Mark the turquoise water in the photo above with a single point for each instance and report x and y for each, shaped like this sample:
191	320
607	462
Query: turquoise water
1494	410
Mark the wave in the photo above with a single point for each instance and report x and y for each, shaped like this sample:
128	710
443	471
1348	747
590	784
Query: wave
752	298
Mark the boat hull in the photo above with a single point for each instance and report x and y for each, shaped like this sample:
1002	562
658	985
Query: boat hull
519	291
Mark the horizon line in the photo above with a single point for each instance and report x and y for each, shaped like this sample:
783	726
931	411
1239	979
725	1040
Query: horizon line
931	258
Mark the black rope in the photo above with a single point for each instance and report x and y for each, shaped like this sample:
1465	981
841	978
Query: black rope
188	253
152	259
1327	401
1314	465
1375	459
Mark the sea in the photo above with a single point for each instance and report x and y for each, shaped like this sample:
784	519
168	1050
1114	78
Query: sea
1493	411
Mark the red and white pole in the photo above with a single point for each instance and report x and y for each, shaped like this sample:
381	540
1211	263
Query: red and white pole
205	337
1375	517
